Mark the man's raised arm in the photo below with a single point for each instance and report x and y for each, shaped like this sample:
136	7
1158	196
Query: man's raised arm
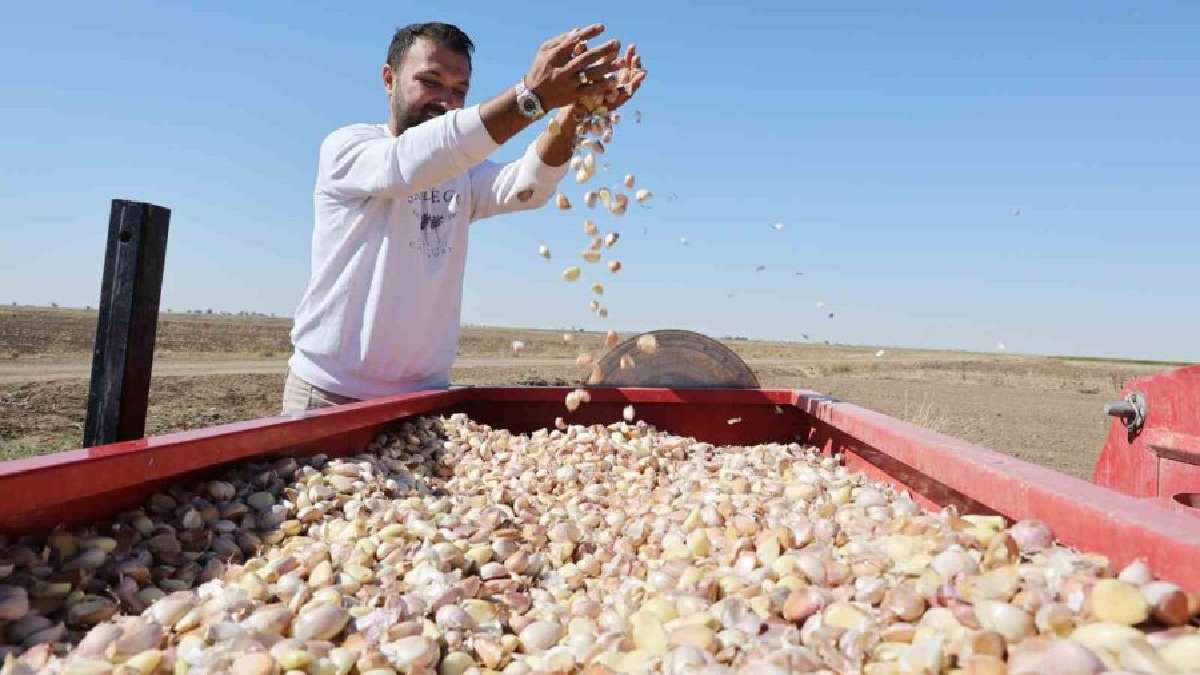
355	162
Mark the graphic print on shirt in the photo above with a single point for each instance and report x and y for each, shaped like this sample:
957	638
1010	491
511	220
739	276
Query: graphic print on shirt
431	209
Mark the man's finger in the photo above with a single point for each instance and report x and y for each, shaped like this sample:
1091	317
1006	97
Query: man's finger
589	32
592	55
631	88
569	39
562	51
630	52
555	41
581	33
636	82
621	95
558	43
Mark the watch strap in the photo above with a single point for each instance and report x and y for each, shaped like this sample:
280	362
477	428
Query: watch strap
528	102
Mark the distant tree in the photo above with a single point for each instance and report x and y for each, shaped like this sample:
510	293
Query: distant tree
89	308
54	305
14	304
272	313
209	311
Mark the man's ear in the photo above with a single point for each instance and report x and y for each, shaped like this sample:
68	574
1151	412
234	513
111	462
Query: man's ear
389	80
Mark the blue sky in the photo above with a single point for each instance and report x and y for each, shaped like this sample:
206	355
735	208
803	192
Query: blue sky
893	140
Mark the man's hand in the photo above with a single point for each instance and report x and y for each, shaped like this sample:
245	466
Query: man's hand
624	76
557	144
565	74
629	78
560	76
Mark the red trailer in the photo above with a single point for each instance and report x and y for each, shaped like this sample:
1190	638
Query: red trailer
1145	501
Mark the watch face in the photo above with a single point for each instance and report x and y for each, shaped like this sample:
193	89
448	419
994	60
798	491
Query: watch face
529	105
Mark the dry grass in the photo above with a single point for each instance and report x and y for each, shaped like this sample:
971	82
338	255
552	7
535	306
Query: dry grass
924	413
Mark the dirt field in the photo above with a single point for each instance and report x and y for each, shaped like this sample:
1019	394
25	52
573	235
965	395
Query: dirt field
216	369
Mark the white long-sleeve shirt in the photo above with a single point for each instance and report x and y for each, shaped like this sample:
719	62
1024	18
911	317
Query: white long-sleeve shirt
389	249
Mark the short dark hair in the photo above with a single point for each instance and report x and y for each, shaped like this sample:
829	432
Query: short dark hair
446	34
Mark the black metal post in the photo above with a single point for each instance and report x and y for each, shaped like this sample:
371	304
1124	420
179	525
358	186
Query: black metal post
123	354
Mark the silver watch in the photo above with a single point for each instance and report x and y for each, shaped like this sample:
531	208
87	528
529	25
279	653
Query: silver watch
528	102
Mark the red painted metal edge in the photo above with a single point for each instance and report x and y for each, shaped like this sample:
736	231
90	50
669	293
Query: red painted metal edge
31	486
1174	445
723	417
1080	514
638	395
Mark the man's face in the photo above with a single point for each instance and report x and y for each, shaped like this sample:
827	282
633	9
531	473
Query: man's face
431	79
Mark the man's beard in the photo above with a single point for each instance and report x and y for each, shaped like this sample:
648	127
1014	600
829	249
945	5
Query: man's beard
411	118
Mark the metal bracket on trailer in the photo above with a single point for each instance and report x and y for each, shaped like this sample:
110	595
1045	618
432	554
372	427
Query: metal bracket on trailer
1132	409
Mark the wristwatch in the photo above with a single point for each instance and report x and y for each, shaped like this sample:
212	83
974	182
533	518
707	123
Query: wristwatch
528	102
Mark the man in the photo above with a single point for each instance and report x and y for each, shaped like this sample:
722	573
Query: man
393	203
